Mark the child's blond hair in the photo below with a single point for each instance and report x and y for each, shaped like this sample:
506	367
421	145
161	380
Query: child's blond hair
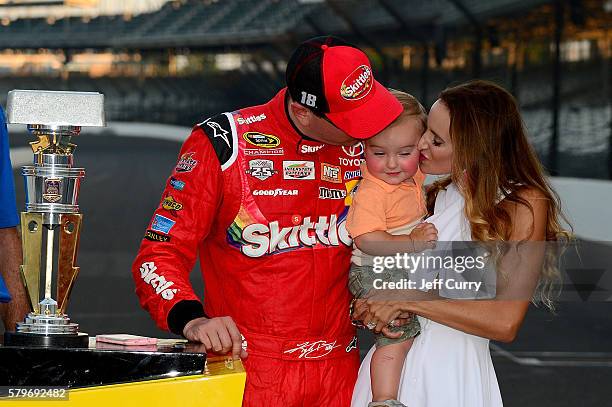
411	106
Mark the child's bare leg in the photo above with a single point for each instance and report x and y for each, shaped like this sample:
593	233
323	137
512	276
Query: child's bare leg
386	369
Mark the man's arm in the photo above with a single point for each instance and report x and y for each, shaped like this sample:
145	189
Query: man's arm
184	218
10	260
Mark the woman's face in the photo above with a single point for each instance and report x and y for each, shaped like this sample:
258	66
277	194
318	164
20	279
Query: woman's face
435	146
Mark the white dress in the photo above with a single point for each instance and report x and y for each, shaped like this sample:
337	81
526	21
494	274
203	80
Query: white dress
445	367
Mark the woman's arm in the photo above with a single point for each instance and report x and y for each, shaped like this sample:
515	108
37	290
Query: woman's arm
494	319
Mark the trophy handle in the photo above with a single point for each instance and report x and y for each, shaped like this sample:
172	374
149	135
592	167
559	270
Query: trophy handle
31	240
70	232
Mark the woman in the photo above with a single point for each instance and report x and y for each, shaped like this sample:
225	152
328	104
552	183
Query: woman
496	191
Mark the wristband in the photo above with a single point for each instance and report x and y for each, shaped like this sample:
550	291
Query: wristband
183	312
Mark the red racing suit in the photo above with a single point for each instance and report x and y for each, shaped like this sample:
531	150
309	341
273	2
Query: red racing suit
266	210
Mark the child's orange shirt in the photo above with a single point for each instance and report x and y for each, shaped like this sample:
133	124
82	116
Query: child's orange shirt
381	206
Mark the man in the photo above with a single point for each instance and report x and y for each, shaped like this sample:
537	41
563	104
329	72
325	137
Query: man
10	245
262	193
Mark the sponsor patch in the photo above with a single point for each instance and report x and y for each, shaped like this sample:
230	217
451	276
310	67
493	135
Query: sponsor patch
261	169
256	152
355	150
159	283
352	174
275	192
162	224
262	239
52	189
350	162
170	204
298	170
351	189
352	345
219	131
261	140
156	237
307	149
358	84
328	193
176	184
331	173
251	119
186	163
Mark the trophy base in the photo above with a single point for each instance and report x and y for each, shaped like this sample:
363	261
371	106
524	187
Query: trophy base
80	340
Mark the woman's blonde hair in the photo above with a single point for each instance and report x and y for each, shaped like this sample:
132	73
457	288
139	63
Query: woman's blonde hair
492	161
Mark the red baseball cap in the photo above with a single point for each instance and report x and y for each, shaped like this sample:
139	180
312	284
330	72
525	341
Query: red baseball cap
335	79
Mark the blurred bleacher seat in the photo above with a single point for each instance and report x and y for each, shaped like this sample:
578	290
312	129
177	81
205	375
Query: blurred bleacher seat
214	23
176	100
202	22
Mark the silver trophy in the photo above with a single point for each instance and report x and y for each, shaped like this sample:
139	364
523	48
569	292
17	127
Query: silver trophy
51	219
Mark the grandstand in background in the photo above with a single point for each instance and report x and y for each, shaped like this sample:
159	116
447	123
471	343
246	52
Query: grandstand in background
189	59
18	9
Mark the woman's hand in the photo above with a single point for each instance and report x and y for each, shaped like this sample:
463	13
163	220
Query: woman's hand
381	315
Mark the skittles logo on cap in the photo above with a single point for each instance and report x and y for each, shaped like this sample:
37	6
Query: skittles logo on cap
358	84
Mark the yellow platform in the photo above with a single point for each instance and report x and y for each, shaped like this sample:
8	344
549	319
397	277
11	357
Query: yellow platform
222	384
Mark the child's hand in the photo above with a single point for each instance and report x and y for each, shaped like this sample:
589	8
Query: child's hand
424	236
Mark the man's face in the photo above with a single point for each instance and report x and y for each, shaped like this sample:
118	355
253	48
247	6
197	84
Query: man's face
324	131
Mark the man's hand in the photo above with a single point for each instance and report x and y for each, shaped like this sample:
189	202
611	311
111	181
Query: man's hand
219	335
